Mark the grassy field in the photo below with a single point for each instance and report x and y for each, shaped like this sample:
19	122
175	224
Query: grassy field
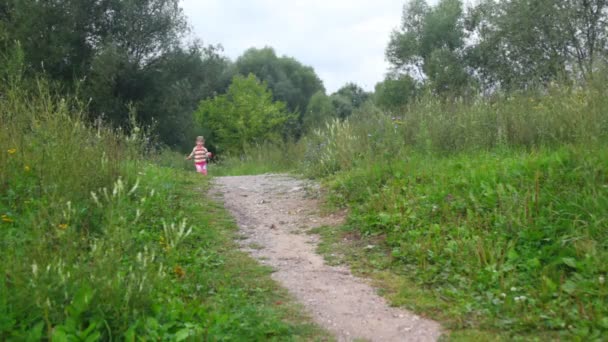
99	243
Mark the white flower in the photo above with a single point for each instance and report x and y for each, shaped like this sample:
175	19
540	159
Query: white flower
513	289
601	279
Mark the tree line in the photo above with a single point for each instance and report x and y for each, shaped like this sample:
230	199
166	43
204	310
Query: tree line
138	55
495	45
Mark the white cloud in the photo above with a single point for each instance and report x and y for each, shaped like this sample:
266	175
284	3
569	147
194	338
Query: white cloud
344	41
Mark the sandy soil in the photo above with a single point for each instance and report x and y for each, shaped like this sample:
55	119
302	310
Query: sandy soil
274	213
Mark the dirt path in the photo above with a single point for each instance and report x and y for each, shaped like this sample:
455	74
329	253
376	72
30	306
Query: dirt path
273	213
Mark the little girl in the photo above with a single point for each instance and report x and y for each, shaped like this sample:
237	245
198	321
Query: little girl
200	155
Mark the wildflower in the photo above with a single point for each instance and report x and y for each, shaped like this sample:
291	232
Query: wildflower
34	269
179	271
601	279
513	289
26	168
63	226
6	218
11	150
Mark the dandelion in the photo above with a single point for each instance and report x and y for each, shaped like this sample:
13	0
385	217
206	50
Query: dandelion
63	226
11	150
6	218
26	168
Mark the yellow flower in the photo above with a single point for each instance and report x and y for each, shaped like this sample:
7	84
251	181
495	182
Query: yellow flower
12	151
26	168
63	226
7	219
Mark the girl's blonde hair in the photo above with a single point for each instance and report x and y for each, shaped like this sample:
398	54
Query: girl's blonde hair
200	138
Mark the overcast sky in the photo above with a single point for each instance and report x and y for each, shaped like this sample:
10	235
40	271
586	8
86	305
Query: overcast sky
343	40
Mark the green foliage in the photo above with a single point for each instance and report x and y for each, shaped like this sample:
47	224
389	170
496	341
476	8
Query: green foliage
511	45
318	111
501	237
347	99
431	40
246	114
493	208
526	43
289	80
99	244
118	54
395	92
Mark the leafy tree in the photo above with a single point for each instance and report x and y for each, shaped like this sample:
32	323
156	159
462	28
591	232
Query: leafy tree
348	98
523	43
395	92
120	53
246	114
62	37
289	80
430	45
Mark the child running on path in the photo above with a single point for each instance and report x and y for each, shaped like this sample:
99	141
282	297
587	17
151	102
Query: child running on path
200	154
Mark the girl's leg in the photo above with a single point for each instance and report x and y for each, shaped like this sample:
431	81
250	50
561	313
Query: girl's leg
199	168
204	169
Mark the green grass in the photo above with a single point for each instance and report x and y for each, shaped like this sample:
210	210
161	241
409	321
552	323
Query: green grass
511	244
99	243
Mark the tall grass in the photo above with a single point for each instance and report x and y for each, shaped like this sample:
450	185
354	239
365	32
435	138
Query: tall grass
560	115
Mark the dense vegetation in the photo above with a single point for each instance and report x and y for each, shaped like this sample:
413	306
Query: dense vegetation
475	175
99	243
477	195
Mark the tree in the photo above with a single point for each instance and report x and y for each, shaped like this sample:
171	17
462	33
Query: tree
289	80
246	114
395	92
120	54
62	37
430	45
524	43
348	98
